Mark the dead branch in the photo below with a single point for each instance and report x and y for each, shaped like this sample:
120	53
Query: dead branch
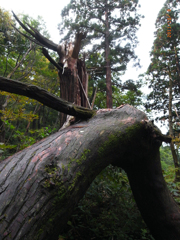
44	97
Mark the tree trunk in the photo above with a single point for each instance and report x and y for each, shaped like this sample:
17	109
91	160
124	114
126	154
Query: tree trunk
2	125
41	185
178	67
108	64
70	88
174	154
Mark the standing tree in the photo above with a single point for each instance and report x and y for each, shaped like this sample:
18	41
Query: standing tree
111	27
164	69
70	68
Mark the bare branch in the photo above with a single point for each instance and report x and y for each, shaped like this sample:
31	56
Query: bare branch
46	54
37	35
84	92
19	63
94	97
26	36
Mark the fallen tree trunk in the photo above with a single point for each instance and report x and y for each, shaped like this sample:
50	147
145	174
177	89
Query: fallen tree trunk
41	185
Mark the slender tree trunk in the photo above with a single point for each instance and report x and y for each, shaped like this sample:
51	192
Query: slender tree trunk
108	63
2	126
177	66
174	154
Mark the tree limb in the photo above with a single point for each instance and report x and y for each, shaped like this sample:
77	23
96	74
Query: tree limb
39	37
46	54
44	97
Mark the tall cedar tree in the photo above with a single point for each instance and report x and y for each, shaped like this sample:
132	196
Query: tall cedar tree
164	74
110	27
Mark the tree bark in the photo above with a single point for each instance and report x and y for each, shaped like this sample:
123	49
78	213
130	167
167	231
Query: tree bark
177	67
44	97
41	185
70	88
108	64
2	125
69	72
174	154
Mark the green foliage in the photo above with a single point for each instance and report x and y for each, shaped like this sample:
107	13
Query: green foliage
166	156
164	70
169	172
174	187
23	121
111	30
163	60
126	93
107	211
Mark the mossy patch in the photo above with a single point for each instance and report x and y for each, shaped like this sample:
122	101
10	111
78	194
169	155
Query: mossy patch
79	160
117	139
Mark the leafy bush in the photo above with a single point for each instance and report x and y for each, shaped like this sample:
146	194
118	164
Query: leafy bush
107	211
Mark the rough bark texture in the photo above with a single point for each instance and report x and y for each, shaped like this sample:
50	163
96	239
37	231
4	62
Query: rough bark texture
40	186
70	87
73	73
108	64
2	127
177	67
174	154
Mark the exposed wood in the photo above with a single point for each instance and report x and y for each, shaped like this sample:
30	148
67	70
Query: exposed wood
70	89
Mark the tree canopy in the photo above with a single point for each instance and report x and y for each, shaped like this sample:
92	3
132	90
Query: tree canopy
164	71
164	60
111	28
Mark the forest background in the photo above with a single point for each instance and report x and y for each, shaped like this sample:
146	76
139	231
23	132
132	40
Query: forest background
24	121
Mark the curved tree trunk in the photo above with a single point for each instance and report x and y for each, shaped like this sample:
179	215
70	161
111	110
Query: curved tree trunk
41	185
